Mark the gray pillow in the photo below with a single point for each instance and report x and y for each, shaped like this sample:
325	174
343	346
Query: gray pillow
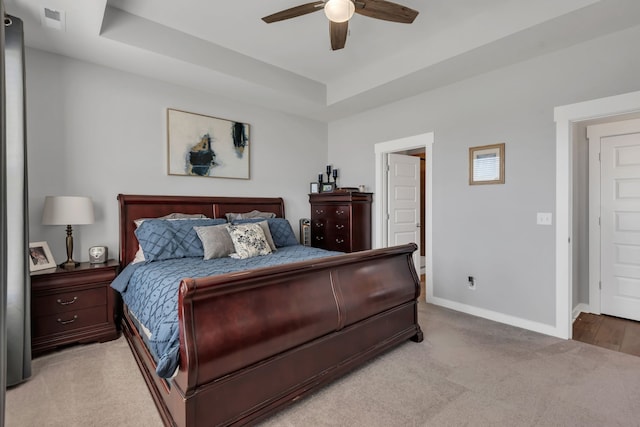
247	215
216	241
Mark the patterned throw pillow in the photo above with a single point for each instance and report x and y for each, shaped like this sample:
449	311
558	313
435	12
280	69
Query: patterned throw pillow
139	257
166	239
248	241
281	231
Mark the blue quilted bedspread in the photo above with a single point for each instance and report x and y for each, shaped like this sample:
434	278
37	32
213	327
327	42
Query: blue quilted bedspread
150	291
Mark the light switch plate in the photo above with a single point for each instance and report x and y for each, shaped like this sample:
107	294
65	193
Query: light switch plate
545	218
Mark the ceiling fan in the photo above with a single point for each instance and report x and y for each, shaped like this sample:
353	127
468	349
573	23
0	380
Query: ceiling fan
340	11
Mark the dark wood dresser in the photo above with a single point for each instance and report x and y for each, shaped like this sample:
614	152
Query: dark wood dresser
69	306
341	221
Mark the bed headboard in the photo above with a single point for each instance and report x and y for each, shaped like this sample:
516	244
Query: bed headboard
133	207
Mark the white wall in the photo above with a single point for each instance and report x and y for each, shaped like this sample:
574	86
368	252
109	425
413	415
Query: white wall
98	132
490	231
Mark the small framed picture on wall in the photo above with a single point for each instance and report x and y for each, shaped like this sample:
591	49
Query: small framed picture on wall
486	164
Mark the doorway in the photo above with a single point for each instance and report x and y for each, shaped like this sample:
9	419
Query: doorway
567	119
422	145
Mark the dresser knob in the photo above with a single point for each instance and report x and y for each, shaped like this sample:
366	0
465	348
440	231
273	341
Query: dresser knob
339	226
339	212
319	238
67	302
66	322
339	240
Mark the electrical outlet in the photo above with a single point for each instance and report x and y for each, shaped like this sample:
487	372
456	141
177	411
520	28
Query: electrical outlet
471	281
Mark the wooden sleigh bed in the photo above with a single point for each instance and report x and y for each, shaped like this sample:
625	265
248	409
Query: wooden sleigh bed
326	317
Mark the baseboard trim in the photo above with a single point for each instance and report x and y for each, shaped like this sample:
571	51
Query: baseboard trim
498	317
580	308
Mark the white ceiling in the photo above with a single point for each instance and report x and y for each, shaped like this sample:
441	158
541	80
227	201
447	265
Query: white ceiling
224	48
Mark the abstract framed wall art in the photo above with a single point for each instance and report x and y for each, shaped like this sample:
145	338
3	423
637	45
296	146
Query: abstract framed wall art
202	145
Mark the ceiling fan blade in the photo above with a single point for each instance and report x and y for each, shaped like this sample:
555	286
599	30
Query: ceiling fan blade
294	12
386	10
338	33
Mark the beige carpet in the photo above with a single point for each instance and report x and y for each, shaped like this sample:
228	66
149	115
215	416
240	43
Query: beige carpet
467	372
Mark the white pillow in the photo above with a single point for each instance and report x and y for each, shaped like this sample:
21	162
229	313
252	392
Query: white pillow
248	240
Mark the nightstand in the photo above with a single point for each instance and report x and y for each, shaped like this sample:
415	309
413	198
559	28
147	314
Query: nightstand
69	306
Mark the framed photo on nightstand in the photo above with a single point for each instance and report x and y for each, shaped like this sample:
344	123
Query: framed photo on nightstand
40	256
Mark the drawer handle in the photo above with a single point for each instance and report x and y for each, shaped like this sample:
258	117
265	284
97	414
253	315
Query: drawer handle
66	322
319	211
339	226
319	224
319	238
339	240
339	212
67	302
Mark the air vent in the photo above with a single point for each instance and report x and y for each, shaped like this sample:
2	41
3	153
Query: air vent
51	18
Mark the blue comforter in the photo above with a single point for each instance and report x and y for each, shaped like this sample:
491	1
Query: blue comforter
150	291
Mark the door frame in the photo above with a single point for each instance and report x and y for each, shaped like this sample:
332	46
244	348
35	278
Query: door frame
566	117
423	141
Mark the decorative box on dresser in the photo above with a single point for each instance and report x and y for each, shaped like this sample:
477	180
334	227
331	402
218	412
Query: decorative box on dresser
341	221
75	305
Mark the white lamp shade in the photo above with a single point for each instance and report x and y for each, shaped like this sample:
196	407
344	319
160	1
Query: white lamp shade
67	210
339	10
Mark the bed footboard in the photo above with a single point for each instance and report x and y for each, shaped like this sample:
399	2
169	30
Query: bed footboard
254	341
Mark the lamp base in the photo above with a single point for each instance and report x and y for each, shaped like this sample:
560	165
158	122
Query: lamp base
69	264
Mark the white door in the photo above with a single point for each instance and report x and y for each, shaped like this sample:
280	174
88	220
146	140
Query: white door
404	202
620	220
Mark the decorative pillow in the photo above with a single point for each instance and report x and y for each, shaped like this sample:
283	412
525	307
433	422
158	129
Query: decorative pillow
166	239
248	215
267	234
139	257
216	241
248	241
281	231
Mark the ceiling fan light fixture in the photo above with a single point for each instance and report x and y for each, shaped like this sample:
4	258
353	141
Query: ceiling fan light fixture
339	10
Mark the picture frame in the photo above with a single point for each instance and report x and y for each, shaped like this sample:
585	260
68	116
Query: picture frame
328	187
206	146
486	164
40	257
314	187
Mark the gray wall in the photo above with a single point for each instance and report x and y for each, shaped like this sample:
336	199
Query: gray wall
95	131
99	132
490	231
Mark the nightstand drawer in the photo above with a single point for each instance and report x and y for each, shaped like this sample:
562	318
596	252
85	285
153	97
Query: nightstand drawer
68	321
68	301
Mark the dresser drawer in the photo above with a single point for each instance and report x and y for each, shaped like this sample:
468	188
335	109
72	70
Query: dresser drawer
68	321
68	301
321	211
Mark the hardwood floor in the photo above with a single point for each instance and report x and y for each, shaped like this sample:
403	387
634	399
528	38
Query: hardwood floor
610	332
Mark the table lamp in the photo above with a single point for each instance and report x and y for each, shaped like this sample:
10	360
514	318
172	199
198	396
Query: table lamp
68	210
